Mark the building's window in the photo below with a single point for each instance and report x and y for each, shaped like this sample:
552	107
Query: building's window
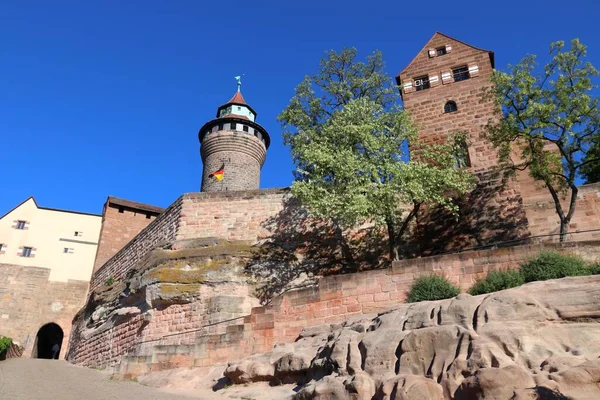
121	210
2	247
148	215
450	107
461	154
26	251
232	126
68	250
440	51
245	128
20	224
78	233
239	108
461	74
421	83
220	127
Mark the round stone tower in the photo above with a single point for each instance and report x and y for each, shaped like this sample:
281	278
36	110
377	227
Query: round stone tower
233	148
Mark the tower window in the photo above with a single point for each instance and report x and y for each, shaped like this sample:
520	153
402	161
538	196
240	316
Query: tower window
461	73
26	252
245	128
121	210
148	215
20	225
440	51
233	126
220	127
450	107
421	83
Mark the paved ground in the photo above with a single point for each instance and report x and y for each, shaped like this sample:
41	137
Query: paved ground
35	379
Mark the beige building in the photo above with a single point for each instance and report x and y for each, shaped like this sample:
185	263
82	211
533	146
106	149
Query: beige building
65	242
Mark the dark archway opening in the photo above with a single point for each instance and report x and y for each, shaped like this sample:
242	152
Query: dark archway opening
49	341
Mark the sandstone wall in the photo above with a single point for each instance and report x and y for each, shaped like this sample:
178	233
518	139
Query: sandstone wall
542	217
159	232
28	300
238	215
176	337
226	215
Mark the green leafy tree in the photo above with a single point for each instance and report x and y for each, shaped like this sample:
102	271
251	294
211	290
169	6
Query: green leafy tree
550	120
591	168
347	138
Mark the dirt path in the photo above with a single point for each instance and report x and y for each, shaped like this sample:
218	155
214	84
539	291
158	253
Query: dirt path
36	379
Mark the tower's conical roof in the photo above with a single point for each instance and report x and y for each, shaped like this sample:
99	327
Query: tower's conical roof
237	99
236	107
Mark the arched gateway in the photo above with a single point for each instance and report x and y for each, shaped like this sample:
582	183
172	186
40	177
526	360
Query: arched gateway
48	342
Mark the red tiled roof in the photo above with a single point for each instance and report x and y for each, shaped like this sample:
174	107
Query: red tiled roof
236	116
237	98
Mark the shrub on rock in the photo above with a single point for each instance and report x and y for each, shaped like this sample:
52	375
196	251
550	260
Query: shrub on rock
497	280
552	265
433	287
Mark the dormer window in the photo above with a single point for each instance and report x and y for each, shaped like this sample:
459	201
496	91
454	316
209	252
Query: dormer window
440	51
461	73
421	83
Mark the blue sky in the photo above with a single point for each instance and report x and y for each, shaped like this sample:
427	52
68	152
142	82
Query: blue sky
106	98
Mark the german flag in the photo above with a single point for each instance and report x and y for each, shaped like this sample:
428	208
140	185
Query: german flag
218	175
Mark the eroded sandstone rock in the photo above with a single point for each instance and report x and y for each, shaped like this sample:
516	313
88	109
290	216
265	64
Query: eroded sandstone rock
538	341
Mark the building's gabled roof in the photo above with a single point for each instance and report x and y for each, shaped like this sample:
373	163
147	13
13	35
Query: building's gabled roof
438	33
134	205
47	208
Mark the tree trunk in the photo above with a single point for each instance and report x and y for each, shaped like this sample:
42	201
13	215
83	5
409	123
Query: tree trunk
565	220
391	240
345	247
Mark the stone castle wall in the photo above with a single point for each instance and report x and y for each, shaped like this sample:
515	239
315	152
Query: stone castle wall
542	217
227	215
177	336
159	232
258	214
28	301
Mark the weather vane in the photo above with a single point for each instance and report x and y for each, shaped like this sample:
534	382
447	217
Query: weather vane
239	82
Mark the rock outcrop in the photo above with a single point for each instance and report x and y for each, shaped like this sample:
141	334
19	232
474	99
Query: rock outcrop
538	341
